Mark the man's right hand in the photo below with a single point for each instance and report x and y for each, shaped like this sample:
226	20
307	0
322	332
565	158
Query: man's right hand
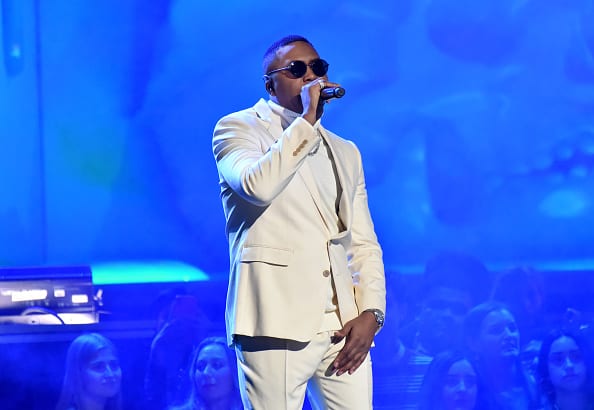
313	106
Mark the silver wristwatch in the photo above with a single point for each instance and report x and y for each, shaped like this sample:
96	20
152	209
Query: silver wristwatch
379	317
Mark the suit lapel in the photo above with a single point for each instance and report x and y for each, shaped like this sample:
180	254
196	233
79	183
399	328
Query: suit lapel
305	172
309	180
344	207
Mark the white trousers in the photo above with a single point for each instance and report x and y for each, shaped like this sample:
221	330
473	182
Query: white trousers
274	375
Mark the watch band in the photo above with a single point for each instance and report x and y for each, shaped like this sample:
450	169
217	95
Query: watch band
379	316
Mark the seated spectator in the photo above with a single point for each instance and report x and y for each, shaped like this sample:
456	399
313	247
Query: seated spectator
181	326
398	370
494	338
92	380
451	383
213	375
566	372
529	356
452	283
163	304
521	289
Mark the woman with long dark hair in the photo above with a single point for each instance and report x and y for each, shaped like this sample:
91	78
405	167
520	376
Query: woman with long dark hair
451	383
566	372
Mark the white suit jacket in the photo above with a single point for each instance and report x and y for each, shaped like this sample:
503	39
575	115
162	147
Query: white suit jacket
281	250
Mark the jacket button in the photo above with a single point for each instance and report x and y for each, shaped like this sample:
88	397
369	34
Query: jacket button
326	273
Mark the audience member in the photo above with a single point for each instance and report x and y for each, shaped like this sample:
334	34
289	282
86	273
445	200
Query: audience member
388	341
451	383
181	326
213	375
92	380
398	370
521	289
493	336
529	356
566	372
162	306
452	283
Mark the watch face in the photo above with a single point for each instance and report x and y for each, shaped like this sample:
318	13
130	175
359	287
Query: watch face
379	318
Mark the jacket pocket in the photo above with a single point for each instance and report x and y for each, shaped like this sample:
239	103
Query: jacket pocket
272	256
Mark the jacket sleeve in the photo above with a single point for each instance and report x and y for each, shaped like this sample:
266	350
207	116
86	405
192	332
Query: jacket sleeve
258	172
365	256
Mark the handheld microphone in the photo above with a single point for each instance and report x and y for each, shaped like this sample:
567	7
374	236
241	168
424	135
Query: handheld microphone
332	92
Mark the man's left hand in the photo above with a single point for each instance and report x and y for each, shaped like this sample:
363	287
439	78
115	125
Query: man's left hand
359	334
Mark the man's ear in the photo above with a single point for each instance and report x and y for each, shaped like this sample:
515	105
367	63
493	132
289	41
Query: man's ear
269	85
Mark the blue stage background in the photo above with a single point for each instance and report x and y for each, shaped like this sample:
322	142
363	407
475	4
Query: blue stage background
475	121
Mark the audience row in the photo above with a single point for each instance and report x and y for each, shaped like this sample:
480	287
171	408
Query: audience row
477	343
467	344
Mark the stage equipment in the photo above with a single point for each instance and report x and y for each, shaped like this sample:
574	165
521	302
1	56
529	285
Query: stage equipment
48	295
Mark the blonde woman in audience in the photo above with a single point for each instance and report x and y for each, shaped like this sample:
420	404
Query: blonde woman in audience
494	338
92	380
213	374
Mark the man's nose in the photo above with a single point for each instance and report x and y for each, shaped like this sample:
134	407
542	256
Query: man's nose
309	75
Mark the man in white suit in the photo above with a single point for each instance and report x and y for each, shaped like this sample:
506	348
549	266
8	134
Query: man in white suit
306	290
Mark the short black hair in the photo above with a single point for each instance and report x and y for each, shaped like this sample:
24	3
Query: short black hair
457	270
270	53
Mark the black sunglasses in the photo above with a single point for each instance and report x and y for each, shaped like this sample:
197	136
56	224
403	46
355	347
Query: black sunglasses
299	68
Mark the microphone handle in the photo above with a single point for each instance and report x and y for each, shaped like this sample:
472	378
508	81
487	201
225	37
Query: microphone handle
332	92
